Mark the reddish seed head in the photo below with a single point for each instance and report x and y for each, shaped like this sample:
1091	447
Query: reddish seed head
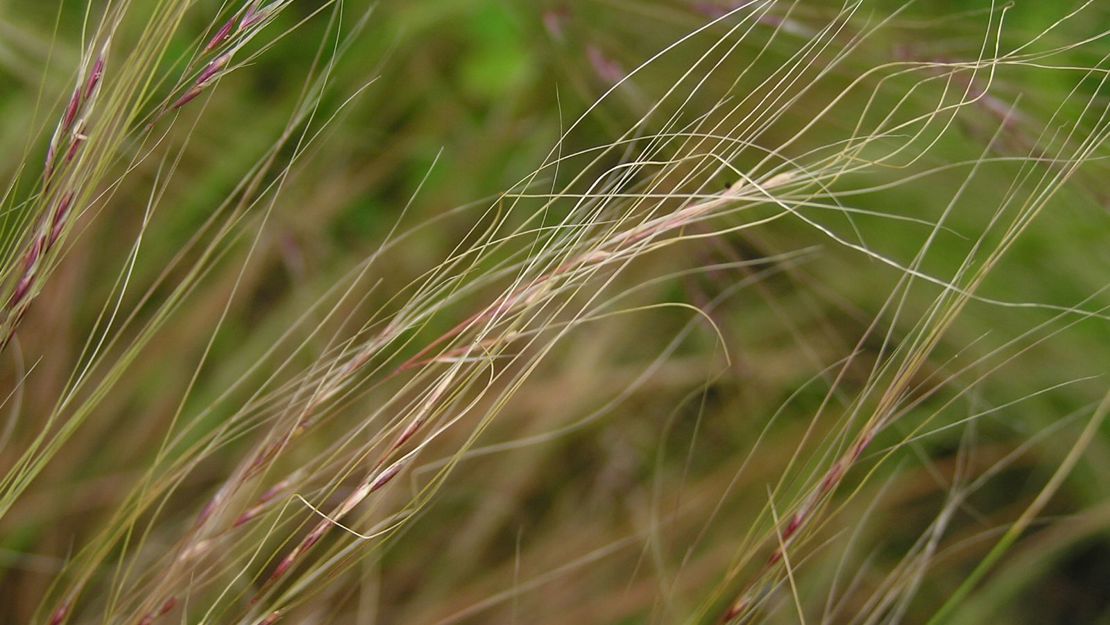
95	76
21	290
792	527
247	516
407	434
252	17
60	216
862	444
313	538
71	110
287	562
60	614
271	619
220	36
284	566
209	508
775	557
206	75
33	253
385	476
273	492
554	22
189	96
78	139
734	611
607	69
212	69
167	606
48	166
264	456
260	505
833	477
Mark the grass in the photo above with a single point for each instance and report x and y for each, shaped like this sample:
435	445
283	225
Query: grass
607	312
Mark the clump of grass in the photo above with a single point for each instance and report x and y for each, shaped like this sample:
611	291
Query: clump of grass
688	367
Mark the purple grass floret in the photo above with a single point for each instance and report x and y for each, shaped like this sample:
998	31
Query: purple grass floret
60	215
59	616
797	521
221	36
262	503
380	479
70	134
94	76
213	68
189	96
79	137
555	22
45	239
21	290
606	68
252	17
206	76
167	606
48	165
72	109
